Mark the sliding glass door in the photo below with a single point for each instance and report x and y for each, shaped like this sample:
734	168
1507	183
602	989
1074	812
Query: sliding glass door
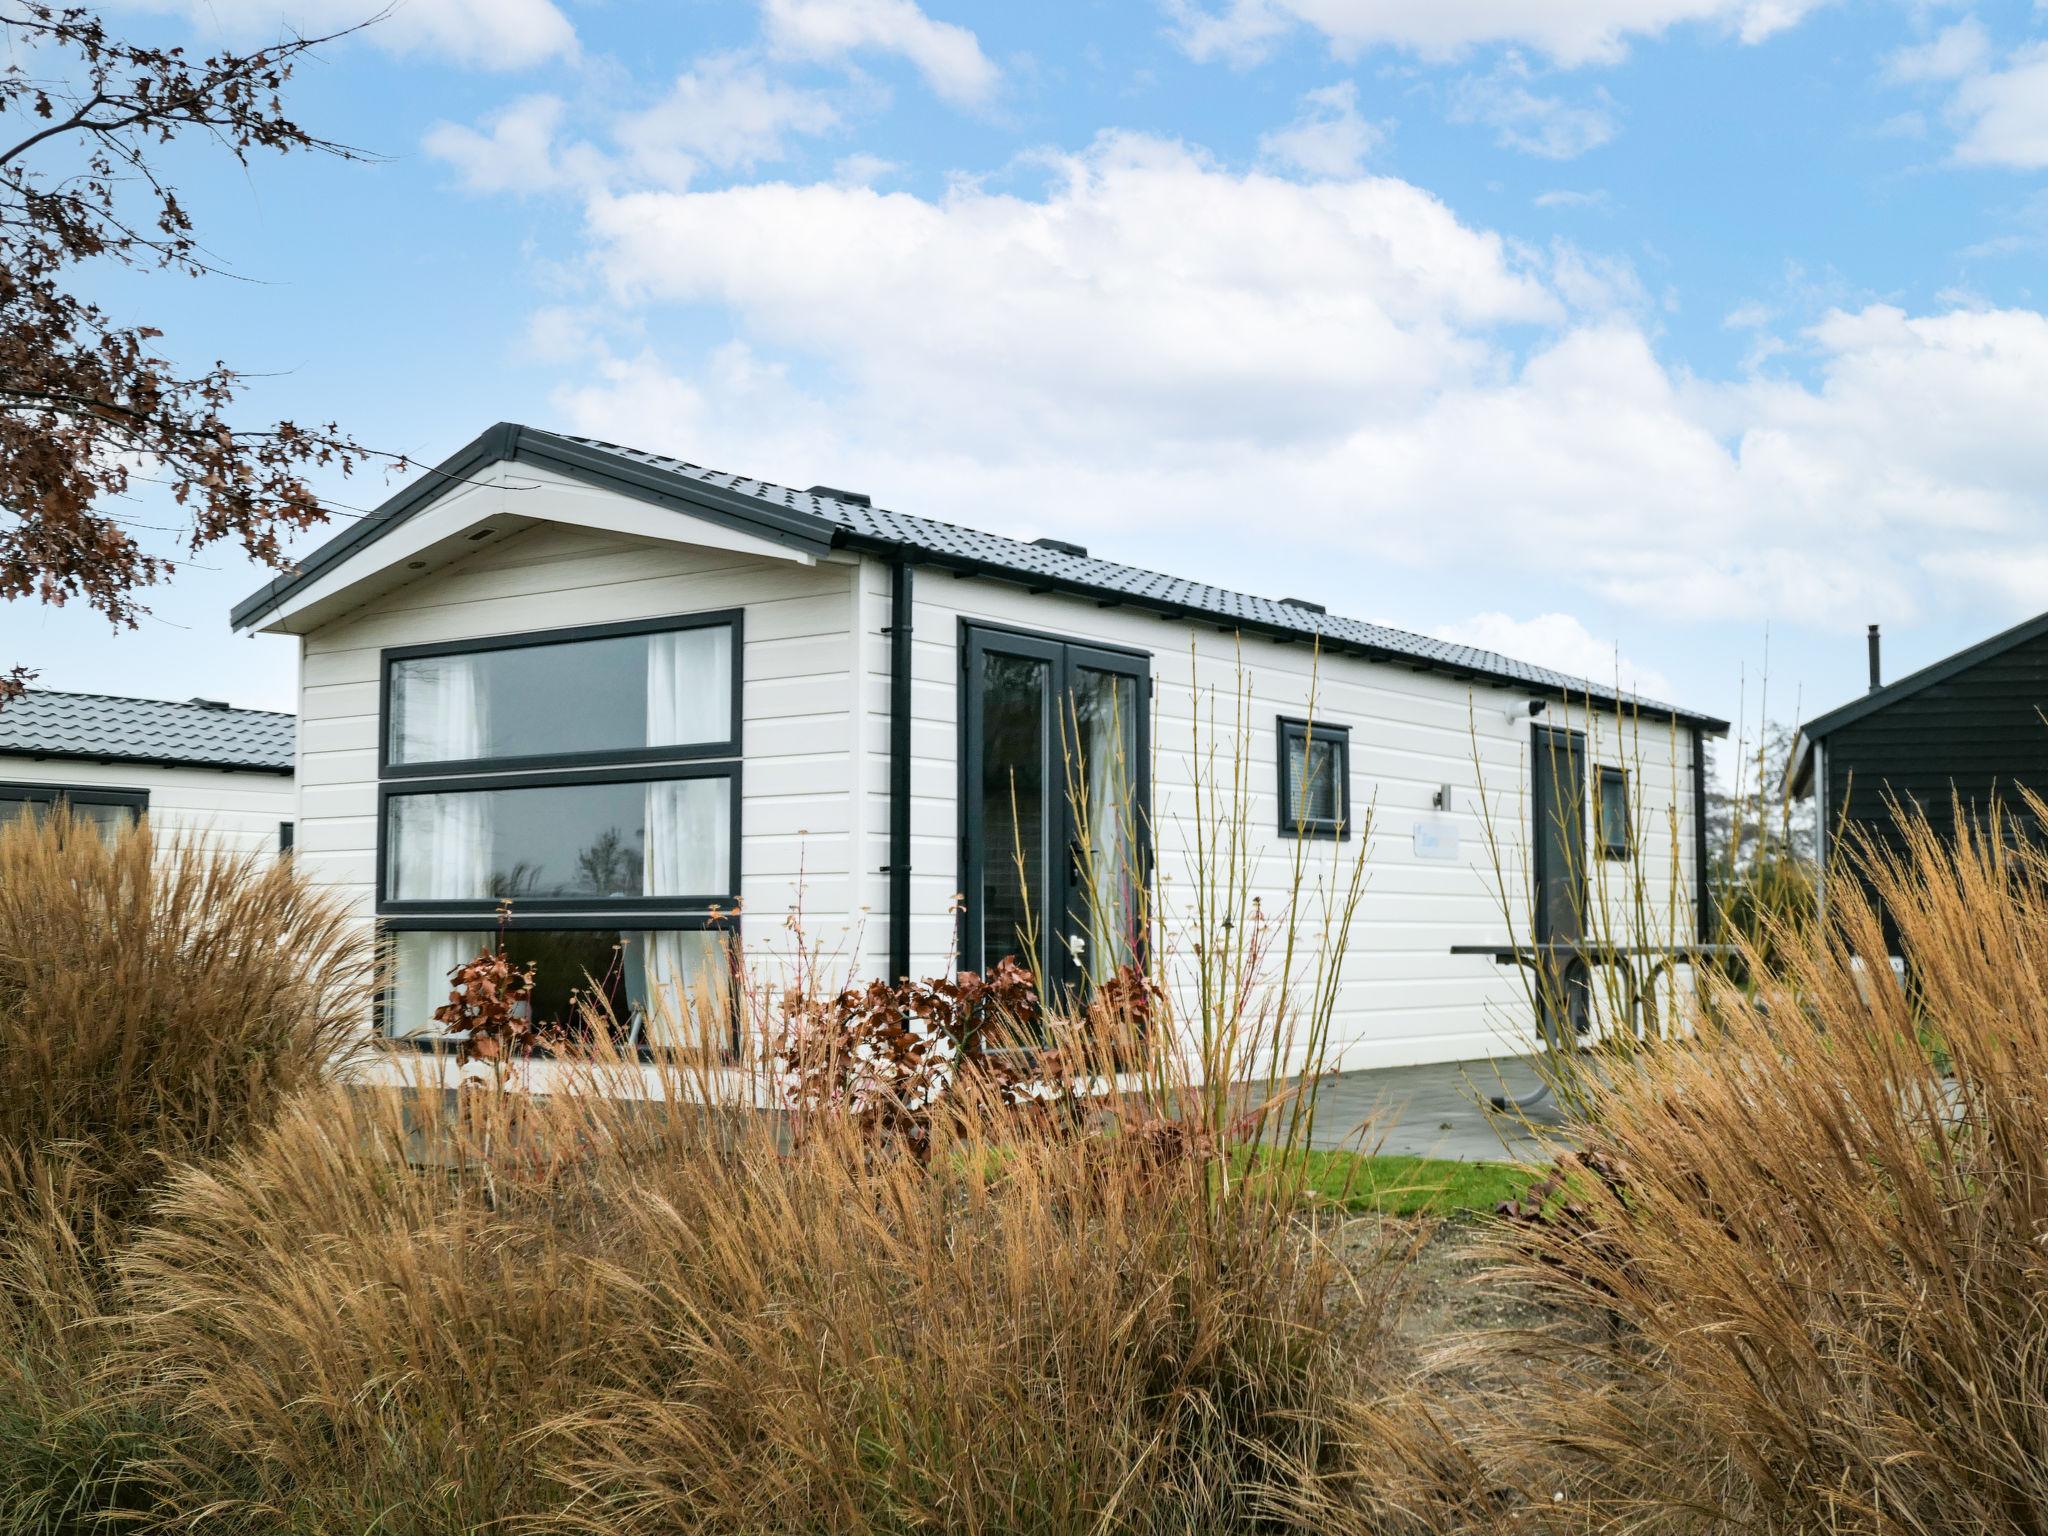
1054	806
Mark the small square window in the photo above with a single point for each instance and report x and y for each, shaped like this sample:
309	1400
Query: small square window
1315	779
1617	836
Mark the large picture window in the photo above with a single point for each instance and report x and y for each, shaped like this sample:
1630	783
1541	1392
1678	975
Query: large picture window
588	782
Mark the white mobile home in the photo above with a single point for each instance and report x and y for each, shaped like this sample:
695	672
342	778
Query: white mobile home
197	768
632	695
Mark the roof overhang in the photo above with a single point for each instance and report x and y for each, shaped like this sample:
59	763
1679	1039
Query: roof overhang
509	478
1798	781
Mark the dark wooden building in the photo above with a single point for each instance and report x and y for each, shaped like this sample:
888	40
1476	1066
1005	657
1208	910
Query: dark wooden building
1964	733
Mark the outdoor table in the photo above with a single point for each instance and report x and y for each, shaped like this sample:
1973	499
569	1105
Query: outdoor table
1641	966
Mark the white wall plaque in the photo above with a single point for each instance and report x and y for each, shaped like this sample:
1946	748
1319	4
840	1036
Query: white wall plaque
1436	840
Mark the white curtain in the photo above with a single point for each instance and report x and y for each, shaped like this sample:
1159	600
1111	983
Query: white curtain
689	686
688	839
1111	877
421	963
682	1001
441	710
440	845
689	827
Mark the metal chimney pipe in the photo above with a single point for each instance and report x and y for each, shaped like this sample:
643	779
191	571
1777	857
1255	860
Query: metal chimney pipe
1876	672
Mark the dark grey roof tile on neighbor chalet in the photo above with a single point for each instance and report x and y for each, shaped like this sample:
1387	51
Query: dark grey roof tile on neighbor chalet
199	733
821	518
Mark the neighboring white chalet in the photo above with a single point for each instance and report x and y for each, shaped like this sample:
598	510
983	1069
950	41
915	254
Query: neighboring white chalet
631	694
196	769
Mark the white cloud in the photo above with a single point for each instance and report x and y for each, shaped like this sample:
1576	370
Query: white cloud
482	34
727	112
1998	109
1952	53
1565	198
1329	138
2006	112
515	150
724	112
862	169
948	56
1168	357
1147	290
1567	31
1547	126
1558	641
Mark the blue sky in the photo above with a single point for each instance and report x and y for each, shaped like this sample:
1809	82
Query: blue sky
1610	333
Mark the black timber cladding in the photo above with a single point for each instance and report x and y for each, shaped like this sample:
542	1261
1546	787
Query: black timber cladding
815	522
1974	734
158	732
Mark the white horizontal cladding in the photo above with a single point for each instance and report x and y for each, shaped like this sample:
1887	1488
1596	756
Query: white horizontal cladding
234	810
797	700
1435	875
506	498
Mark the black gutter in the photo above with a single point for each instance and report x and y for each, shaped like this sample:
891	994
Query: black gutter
899	766
1173	612
1703	895
123	761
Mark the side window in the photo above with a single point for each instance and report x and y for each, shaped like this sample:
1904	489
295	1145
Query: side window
1315	779
109	810
1617	835
286	831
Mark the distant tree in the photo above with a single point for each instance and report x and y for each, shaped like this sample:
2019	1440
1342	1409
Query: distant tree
1761	845
87	407
610	866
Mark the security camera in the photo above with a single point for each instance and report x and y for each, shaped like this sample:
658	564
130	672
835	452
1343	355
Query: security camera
1528	709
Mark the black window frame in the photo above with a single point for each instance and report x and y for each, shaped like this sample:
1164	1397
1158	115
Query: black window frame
732	618
287	836
1286	729
1062	653
1604	775
136	800
699	911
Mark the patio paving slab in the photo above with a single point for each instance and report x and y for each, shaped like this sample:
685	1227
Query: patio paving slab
1432	1111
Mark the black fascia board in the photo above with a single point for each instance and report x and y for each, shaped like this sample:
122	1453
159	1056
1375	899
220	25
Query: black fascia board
510	442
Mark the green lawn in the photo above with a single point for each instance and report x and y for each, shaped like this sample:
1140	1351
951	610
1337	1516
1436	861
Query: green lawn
1406	1186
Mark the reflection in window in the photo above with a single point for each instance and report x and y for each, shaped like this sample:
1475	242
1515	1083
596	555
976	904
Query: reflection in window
618	693
1315	775
663	988
1015	821
1617	835
661	837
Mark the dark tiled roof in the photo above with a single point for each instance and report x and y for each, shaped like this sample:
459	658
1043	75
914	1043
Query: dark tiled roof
1025	560
816	522
97	725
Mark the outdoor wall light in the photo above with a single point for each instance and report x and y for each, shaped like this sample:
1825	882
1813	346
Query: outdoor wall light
1441	800
1528	709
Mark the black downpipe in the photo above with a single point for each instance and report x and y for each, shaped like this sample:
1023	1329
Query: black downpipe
899	768
1703	895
